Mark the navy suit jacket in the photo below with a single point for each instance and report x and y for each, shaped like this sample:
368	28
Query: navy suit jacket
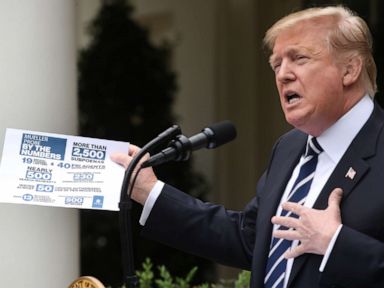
241	238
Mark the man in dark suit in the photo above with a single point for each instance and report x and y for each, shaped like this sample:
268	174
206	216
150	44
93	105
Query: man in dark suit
317	219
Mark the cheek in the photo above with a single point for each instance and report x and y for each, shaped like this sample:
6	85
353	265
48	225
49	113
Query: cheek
333	88
330	100
327	87
279	89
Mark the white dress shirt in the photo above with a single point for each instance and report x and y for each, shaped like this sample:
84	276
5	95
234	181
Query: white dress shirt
334	141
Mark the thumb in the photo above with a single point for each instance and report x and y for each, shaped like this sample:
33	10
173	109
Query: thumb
120	158
335	198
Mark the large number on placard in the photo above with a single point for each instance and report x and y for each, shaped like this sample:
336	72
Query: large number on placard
83	176
88	153
36	175
44	188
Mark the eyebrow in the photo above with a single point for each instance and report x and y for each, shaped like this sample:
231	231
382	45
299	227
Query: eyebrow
293	50
272	59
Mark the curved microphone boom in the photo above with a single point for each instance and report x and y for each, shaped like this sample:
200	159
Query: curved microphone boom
125	205
181	148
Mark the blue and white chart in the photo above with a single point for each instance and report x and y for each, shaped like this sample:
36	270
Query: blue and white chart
48	169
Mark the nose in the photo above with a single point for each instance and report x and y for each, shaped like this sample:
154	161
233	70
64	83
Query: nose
285	73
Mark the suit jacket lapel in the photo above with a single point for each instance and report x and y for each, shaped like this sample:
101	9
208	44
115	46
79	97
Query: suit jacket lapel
349	171
280	174
336	180
285	158
353	166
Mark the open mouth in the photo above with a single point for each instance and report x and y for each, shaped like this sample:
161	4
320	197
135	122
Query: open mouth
292	97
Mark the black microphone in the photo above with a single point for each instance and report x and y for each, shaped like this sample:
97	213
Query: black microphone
181	148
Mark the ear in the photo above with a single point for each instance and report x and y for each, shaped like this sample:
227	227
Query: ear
352	70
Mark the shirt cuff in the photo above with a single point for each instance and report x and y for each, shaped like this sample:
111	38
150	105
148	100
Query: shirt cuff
330	248
152	197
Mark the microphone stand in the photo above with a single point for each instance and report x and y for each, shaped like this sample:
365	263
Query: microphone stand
125	205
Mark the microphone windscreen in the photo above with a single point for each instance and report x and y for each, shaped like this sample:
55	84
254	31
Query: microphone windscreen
223	132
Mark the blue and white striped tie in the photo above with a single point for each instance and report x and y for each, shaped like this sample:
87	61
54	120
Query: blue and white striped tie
276	265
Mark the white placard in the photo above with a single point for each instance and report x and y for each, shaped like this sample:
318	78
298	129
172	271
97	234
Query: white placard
59	170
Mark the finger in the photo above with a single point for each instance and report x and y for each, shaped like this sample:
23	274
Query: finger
287	234
293	207
145	157
133	150
289	222
295	252
121	158
335	198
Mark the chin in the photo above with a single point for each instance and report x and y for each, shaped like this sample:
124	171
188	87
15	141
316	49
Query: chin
300	118
294	121
297	123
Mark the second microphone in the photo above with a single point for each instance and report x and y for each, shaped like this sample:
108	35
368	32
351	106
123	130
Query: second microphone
181	148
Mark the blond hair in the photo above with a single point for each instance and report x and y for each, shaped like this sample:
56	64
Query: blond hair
350	34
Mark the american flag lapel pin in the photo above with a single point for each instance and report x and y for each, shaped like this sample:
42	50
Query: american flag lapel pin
351	173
